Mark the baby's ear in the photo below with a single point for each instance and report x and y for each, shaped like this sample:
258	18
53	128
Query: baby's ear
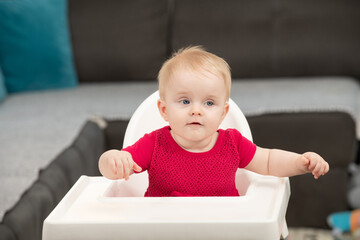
162	109
226	110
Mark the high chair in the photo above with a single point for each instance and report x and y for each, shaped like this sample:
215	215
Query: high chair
98	208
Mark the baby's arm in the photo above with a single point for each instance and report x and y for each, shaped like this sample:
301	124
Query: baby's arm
286	164
115	164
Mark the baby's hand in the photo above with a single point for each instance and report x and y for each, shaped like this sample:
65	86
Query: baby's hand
115	164
314	163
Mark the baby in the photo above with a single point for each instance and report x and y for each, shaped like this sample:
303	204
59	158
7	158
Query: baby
192	156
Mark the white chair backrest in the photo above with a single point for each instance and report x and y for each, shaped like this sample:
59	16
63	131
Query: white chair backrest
147	118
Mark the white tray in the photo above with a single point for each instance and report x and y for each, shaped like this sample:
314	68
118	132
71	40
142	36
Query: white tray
97	208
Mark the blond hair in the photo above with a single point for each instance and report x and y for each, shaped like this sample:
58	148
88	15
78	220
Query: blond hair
195	59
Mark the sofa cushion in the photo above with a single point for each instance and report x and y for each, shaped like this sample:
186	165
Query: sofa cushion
90	143
292	95
244	27
72	164
274	38
317	38
6	233
26	218
55	178
118	40
35	49
320	198
329	133
115	133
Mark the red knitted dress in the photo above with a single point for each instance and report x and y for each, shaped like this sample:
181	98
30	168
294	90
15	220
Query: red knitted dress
174	171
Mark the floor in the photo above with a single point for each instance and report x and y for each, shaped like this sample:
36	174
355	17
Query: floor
315	234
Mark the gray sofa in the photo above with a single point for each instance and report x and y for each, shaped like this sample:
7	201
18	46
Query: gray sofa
295	68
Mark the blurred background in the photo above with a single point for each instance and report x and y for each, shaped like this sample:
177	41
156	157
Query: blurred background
74	71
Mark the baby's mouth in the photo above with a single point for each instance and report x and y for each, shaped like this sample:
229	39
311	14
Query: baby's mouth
195	124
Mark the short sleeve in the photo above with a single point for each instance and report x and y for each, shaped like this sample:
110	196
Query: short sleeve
142	150
246	148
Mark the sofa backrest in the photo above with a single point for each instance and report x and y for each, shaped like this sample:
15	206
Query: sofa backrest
125	40
118	40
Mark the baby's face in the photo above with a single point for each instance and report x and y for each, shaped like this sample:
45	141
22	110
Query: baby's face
194	104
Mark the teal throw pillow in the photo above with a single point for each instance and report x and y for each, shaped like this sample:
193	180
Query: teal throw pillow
2	87
35	47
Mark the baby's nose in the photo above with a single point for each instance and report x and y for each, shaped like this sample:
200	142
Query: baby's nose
196	110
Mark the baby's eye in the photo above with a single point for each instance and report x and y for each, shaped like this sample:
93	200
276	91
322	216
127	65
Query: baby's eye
209	103
185	101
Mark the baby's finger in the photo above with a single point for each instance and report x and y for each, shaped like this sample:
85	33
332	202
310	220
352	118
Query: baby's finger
305	161
113	166
119	169
325	168
321	170
313	164
305	164
127	167
136	167
318	169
